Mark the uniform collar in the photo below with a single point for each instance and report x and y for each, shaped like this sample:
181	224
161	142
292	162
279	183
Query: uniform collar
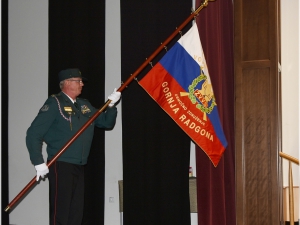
68	97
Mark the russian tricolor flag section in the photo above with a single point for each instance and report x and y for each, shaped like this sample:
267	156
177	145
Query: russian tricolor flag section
181	85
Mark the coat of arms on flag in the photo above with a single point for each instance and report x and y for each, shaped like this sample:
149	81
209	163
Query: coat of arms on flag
181	85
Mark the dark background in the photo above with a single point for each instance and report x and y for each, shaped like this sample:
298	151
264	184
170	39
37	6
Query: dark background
155	150
4	108
76	40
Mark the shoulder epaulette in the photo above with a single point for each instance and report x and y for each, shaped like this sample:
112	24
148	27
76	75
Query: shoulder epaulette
54	95
82	99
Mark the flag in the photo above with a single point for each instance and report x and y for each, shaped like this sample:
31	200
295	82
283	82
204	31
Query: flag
181	85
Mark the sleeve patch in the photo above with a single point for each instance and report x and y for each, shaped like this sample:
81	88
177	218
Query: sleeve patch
45	108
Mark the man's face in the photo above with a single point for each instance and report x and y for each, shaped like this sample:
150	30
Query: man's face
75	85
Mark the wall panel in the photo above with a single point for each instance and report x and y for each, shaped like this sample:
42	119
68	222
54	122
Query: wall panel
257	113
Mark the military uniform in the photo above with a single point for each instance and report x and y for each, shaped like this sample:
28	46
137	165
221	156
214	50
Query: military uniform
57	122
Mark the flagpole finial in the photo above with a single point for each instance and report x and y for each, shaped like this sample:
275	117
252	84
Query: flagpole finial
204	4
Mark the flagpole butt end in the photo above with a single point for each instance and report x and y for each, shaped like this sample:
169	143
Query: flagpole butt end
7	209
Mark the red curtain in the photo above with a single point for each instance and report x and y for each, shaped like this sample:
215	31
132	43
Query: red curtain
216	186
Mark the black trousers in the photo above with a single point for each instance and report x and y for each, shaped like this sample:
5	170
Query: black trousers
66	187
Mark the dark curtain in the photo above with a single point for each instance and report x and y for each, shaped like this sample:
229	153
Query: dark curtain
4	111
155	150
216	186
76	40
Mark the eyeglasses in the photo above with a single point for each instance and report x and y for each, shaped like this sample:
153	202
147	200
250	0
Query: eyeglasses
79	81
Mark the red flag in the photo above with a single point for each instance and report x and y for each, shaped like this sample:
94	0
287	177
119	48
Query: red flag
181	85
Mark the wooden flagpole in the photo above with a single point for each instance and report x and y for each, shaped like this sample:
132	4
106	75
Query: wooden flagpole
120	89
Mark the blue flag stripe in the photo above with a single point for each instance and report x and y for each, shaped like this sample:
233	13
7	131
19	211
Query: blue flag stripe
184	69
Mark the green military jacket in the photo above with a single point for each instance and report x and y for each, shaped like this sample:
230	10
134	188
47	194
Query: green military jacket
57	122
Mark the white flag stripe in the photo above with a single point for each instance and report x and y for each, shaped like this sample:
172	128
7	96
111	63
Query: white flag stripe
191	42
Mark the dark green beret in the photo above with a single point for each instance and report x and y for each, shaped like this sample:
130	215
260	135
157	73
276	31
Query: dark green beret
70	73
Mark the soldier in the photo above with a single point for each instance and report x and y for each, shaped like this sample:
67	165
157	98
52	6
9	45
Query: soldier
58	120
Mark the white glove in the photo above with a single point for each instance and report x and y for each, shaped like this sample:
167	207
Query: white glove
41	170
114	97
